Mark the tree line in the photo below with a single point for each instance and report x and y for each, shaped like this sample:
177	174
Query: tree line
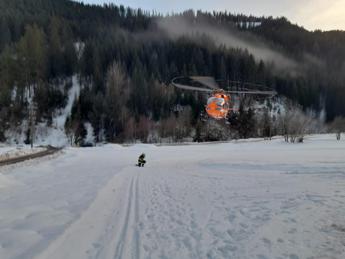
125	68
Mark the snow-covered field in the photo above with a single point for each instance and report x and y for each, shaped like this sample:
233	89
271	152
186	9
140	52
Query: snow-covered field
256	199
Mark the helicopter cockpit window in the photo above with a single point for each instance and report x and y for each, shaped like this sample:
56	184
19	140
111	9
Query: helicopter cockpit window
218	101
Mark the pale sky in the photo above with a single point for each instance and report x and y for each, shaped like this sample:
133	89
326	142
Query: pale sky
311	14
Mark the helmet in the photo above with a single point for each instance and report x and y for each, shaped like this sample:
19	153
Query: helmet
143	154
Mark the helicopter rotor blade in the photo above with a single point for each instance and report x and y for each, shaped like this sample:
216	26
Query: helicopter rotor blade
210	82
236	88
246	88
193	88
246	84
188	87
253	92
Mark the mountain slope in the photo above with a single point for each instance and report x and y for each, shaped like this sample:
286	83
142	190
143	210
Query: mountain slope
129	56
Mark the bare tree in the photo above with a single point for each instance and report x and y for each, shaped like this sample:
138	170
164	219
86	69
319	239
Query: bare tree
117	95
338	126
166	127
176	127
264	124
294	124
71	129
213	130
183	124
143	128
130	130
32	122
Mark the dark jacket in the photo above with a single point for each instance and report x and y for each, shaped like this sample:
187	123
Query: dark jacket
142	159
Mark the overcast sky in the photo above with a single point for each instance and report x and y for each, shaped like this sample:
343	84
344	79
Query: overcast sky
312	14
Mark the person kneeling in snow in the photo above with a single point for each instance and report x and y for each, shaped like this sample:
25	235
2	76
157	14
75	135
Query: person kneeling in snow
141	160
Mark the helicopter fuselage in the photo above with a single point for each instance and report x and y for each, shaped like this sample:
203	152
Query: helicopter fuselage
218	105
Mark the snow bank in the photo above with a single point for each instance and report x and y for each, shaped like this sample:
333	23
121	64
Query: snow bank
12	152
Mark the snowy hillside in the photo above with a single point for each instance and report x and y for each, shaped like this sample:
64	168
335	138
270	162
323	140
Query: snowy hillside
48	135
251	199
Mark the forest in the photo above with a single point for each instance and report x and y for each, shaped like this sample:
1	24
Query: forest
125	58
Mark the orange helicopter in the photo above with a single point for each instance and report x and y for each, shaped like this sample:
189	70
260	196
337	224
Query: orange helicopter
220	103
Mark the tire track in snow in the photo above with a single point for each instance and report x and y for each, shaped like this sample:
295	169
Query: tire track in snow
130	225
121	243
136	234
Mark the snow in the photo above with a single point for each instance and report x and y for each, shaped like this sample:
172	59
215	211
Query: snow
6	181
90	134
17	135
8	152
79	47
277	106
250	199
5	149
73	94
56	135
44	135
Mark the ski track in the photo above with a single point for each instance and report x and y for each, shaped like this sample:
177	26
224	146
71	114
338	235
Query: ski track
112	222
127	238
186	206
